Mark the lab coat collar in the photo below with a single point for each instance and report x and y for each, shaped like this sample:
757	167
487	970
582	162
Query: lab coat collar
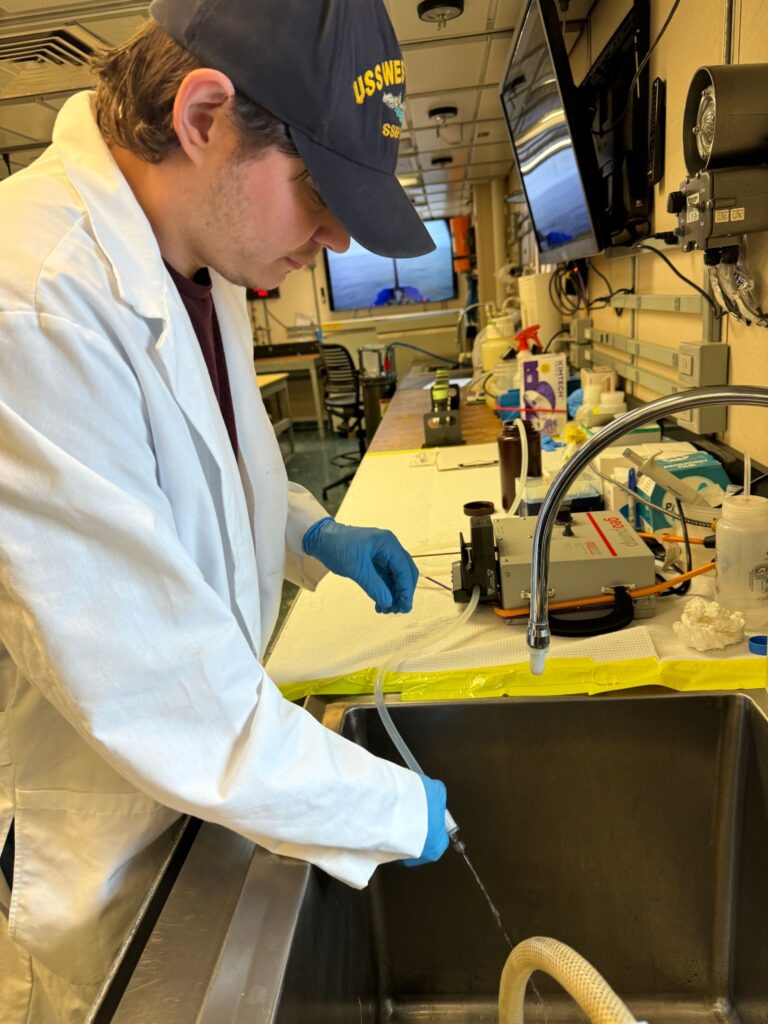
119	223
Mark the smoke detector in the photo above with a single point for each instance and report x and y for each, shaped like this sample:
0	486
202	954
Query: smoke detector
439	12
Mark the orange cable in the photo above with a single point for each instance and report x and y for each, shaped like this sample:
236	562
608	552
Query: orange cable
585	602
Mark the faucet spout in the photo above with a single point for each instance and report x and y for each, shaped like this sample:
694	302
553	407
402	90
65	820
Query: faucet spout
538	622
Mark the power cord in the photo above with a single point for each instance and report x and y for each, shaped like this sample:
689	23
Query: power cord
685	586
640	69
718	313
563	330
569	304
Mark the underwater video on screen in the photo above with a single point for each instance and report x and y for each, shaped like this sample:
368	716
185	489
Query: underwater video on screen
359	279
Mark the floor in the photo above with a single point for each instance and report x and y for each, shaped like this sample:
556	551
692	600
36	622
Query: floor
311	467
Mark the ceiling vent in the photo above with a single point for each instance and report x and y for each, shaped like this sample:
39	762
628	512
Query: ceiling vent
28	8
38	49
38	62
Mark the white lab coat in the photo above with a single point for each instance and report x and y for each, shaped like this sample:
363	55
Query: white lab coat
140	577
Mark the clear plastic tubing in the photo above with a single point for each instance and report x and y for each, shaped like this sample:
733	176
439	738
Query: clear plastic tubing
523	467
389	665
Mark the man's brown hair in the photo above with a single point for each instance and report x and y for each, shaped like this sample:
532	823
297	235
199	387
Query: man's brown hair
136	88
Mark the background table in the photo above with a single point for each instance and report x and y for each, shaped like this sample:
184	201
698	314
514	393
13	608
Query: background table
402	426
297	366
275	385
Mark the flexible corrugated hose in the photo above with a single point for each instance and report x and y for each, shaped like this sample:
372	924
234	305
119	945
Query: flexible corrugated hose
581	981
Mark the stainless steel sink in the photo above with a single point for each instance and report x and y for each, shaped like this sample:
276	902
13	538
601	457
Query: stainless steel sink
633	828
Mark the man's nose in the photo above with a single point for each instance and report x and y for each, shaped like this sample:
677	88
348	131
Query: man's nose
332	234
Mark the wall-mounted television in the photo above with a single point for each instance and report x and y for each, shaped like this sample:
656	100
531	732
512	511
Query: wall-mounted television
359	279
553	148
581	153
617	108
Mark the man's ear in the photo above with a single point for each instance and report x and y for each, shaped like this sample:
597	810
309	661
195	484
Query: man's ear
200	111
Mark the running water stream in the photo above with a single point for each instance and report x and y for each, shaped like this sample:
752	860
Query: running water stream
461	849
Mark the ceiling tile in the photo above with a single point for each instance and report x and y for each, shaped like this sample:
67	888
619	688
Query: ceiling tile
497	60
491	131
508	14
483	153
444	188
448	137
449	174
29	119
480	172
458	65
113	30
8	139
490	103
24	158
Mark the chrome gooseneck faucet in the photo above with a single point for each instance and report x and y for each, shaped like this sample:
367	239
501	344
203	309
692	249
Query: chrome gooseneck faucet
538	622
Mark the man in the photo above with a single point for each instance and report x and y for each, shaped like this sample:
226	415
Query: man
146	522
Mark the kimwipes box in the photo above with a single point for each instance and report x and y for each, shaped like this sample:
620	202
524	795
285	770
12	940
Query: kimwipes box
543	386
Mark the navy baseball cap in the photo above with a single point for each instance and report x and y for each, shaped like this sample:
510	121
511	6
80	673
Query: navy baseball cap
332	70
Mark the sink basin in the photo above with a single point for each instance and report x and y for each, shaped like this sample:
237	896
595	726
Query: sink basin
633	828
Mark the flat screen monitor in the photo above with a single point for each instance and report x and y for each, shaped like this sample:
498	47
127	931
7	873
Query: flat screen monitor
553	149
359	279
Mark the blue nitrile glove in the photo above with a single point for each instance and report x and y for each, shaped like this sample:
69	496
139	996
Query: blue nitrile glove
549	444
375	559
436	842
574	401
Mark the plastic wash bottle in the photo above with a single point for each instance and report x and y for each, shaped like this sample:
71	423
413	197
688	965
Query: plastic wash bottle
741	541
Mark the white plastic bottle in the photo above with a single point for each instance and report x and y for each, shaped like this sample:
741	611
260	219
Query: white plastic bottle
612	403
587	412
741	541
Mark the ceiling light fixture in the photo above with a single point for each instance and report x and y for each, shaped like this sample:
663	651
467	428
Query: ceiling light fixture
440	11
408	180
441	115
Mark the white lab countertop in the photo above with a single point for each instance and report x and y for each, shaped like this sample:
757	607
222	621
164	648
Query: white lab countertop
335	631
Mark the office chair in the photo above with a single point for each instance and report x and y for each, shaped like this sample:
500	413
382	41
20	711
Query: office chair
343	399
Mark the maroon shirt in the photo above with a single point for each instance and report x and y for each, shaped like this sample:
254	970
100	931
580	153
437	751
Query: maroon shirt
196	295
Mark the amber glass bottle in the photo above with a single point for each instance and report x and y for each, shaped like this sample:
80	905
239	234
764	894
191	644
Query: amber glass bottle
511	457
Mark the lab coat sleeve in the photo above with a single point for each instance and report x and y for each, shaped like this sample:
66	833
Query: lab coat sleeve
304	510
104	611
